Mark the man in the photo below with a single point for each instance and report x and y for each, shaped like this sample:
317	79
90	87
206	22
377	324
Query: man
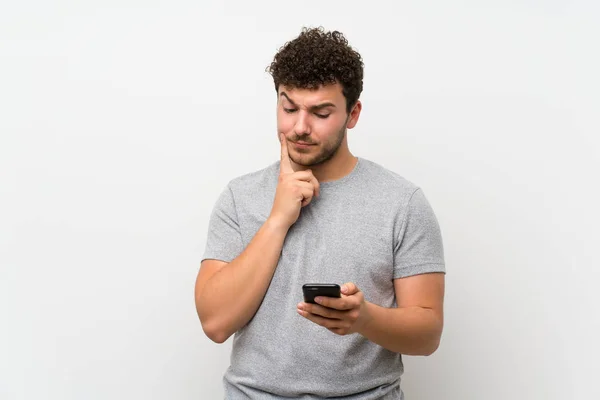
320	214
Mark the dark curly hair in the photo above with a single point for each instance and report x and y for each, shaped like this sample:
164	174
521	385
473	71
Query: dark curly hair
318	58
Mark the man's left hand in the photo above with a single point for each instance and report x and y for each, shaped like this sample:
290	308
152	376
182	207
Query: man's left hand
342	316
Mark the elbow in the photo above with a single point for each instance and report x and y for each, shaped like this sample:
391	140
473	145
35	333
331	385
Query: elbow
217	337
430	347
428	344
425	348
212	328
214	332
432	343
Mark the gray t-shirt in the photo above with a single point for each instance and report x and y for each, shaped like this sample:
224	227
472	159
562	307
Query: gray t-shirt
369	227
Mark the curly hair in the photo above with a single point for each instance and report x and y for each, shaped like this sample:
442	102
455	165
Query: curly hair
318	58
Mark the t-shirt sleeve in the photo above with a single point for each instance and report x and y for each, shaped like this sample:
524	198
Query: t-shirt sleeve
224	238
418	247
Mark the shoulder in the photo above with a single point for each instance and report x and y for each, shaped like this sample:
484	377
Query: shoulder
392	193
249	188
253	189
386	181
254	179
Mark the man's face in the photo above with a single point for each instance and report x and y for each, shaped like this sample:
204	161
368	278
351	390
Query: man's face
317	118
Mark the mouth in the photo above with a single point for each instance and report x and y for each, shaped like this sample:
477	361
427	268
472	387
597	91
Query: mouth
303	144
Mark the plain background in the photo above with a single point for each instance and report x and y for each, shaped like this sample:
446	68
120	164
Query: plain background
121	122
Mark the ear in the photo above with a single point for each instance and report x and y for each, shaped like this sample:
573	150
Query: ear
354	114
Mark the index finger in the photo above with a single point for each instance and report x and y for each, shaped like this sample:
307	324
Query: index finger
336	303
286	165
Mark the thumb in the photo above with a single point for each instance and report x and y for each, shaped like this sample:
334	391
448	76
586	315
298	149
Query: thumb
349	289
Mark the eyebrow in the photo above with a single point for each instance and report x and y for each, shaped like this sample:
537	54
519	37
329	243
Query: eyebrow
312	108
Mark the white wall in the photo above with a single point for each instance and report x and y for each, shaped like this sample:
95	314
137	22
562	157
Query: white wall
121	121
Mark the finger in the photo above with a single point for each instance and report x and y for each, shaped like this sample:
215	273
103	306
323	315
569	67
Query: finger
349	289
305	185
307	195
325	322
323	311
341	304
285	166
308	176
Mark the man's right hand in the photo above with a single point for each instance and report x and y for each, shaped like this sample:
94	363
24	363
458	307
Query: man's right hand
294	190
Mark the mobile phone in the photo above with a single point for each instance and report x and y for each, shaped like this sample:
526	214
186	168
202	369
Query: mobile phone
312	290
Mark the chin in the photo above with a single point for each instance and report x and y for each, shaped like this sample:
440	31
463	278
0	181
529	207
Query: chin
309	160
303	161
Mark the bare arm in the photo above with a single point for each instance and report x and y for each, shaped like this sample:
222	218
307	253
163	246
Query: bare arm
229	294
415	326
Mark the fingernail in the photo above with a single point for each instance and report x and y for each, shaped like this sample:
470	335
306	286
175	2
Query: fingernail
318	300
344	288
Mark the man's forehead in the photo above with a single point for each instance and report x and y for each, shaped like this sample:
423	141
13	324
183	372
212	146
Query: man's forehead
322	94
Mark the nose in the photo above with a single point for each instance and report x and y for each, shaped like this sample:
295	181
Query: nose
302	127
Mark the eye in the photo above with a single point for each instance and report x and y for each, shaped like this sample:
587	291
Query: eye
322	116
289	110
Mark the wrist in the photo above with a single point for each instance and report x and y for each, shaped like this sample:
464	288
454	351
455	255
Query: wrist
277	224
365	319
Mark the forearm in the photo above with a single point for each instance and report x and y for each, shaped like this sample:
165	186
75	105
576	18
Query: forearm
410	330
231	297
